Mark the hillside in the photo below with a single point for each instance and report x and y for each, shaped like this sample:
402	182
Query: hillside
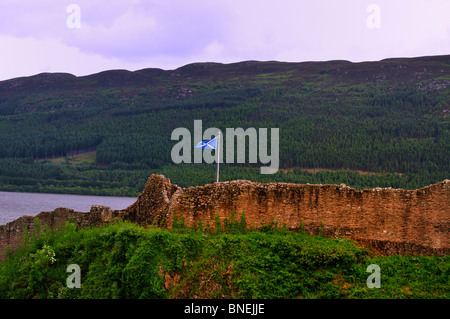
388	117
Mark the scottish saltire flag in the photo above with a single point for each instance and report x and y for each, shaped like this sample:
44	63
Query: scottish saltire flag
209	144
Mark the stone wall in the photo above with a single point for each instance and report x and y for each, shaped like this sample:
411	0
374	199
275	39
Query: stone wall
11	233
392	221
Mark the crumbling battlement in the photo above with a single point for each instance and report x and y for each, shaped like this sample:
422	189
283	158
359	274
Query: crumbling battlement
11	233
393	221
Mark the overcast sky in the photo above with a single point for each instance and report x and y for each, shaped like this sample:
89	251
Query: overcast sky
95	35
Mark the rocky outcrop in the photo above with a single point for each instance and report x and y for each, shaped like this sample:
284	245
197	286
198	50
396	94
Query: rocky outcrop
392	221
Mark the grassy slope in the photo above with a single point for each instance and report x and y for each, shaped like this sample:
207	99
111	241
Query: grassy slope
87	158
123	260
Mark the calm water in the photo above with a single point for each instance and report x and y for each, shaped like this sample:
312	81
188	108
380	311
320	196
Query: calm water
14	205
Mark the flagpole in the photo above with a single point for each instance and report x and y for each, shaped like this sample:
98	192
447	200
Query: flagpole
218	156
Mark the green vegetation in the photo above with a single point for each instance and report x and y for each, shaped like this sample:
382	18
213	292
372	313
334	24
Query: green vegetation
336	115
123	260
80	159
117	180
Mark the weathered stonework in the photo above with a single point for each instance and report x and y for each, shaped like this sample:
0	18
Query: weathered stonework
393	221
12	232
153	204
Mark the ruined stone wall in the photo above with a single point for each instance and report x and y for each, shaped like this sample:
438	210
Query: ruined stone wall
11	233
394	221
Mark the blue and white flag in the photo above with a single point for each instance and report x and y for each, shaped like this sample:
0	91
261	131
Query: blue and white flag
209	144
212	145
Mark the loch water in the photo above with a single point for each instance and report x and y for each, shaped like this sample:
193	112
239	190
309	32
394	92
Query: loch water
16	204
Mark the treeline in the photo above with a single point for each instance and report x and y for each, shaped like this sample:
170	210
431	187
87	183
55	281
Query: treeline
20	175
201	174
26	175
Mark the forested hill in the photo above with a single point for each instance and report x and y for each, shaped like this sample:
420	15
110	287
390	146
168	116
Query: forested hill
389	117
